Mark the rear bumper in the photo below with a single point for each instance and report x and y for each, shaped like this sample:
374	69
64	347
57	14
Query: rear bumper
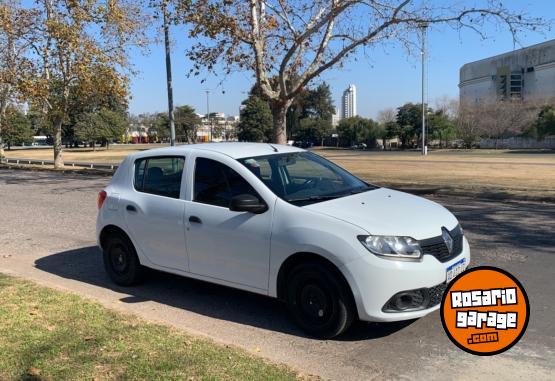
375	280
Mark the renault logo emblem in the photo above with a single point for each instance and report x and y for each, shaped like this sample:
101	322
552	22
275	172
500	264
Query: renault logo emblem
447	239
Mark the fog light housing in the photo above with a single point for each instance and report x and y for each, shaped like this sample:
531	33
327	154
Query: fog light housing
415	300
404	301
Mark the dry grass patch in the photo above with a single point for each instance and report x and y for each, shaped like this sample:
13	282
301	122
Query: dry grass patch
531	172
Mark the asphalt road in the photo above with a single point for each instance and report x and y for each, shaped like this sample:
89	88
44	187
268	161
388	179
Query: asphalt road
47	235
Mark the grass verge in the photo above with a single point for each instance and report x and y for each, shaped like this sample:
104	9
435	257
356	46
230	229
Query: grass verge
47	334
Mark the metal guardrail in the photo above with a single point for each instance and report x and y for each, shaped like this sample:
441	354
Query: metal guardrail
80	164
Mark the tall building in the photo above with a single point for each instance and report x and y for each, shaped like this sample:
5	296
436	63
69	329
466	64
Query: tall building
527	74
349	102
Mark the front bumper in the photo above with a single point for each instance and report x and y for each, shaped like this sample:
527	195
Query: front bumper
375	280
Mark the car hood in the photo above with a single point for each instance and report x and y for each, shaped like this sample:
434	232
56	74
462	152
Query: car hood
388	212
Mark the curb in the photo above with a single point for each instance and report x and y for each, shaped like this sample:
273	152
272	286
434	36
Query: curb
65	171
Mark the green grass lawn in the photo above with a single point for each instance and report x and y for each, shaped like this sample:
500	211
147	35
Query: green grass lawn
52	335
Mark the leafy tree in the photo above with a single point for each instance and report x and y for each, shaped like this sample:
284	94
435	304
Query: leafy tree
296	41
187	123
69	41
115	125
390	130
13	61
255	123
95	95
440	127
105	126
319	103
160	123
409	119
545	124
357	130
316	114
314	130
87	128
15	128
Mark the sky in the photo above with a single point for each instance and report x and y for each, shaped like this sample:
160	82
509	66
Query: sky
385	77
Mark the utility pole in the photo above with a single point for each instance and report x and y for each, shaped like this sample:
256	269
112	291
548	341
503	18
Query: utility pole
424	27
208	112
168	71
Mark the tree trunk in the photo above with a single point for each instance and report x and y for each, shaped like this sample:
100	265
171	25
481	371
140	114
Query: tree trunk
3	108
57	136
279	114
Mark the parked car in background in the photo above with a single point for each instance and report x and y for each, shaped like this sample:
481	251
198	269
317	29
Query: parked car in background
359	146
283	222
303	144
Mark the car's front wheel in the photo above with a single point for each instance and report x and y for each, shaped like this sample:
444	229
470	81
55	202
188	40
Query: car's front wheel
319	300
121	261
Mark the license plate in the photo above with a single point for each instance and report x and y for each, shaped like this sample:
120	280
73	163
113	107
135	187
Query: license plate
455	269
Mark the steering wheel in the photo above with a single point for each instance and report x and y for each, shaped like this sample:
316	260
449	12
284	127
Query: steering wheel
312	182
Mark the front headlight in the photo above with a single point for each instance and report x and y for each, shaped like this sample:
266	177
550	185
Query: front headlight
392	247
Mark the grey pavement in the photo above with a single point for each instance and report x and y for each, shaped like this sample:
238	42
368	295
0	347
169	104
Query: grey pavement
47	223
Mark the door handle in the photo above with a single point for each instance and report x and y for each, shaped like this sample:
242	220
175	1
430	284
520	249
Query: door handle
195	220
131	208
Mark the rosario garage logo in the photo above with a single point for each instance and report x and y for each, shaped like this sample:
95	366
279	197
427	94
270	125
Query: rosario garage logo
485	311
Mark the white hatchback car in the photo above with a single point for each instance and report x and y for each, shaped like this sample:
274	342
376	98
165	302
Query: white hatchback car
283	222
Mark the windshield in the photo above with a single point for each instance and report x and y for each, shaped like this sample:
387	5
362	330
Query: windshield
303	178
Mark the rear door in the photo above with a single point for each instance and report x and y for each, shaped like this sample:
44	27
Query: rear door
154	213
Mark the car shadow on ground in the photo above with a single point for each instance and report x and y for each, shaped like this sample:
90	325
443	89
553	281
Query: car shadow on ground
220	302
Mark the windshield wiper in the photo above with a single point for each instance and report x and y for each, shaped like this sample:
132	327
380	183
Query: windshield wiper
316	198
360	190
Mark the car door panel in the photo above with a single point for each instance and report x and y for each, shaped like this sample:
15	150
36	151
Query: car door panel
231	246
157	226
156	221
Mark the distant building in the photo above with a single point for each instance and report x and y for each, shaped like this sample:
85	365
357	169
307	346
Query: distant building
335	119
349	102
218	126
526	74
139	133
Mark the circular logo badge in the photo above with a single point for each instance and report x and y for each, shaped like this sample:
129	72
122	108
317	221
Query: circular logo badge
485	311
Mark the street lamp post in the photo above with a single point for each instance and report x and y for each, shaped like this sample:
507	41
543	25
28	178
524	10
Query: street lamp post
169	72
424	27
208	112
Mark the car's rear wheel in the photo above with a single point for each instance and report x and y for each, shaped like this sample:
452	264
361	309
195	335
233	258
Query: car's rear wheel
319	300
121	261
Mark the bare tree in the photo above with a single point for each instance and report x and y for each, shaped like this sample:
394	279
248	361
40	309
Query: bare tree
447	105
469	123
496	119
387	115
287	44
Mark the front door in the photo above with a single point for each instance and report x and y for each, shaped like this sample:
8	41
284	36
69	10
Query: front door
226	245
154	213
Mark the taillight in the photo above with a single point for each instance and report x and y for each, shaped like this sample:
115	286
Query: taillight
101	198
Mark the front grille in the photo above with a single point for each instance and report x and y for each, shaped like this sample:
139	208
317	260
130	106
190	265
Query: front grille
436	246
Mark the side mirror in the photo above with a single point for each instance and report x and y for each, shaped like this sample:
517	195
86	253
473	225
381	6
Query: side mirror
247	203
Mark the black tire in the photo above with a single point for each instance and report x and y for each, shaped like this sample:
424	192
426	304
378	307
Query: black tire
121	261
319	300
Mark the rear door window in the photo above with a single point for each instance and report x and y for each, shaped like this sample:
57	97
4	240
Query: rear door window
159	175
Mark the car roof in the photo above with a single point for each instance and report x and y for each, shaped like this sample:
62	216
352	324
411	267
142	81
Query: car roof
235	150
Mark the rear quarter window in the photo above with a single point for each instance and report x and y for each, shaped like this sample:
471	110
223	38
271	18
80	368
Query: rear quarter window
159	175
